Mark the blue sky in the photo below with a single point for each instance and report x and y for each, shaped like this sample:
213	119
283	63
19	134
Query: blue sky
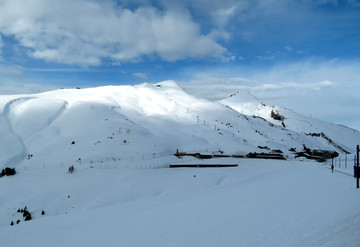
300	54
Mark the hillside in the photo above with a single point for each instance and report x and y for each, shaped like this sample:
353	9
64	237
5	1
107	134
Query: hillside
120	141
136	123
342	138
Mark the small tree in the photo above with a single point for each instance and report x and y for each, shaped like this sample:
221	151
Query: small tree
71	169
28	217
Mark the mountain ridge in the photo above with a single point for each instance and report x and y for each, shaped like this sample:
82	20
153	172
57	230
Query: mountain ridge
151	120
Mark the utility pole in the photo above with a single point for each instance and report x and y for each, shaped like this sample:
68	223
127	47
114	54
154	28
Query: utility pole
357	167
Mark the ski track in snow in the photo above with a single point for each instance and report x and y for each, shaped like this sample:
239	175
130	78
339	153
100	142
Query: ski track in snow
15	160
53	118
58	114
221	180
344	233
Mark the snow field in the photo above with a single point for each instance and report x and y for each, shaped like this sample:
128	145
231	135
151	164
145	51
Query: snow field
258	203
116	136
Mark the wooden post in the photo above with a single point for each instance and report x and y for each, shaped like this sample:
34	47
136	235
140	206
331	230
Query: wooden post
345	161
339	161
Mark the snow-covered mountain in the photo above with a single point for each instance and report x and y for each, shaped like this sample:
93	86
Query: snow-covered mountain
115	136
342	139
127	123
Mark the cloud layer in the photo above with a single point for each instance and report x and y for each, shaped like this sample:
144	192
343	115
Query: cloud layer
285	78
328	90
87	32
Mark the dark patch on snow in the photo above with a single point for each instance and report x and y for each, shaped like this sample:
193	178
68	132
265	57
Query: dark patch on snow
277	116
329	140
7	172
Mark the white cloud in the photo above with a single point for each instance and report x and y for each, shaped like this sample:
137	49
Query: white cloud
215	88
23	88
221	12
140	75
7	72
178	37
224	15
326	83
223	81
320	2
294	86
266	58
219	88
10	78
217	34
85	32
1	47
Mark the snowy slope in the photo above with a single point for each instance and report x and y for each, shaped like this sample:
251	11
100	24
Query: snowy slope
116	135
127	123
259	203
344	139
